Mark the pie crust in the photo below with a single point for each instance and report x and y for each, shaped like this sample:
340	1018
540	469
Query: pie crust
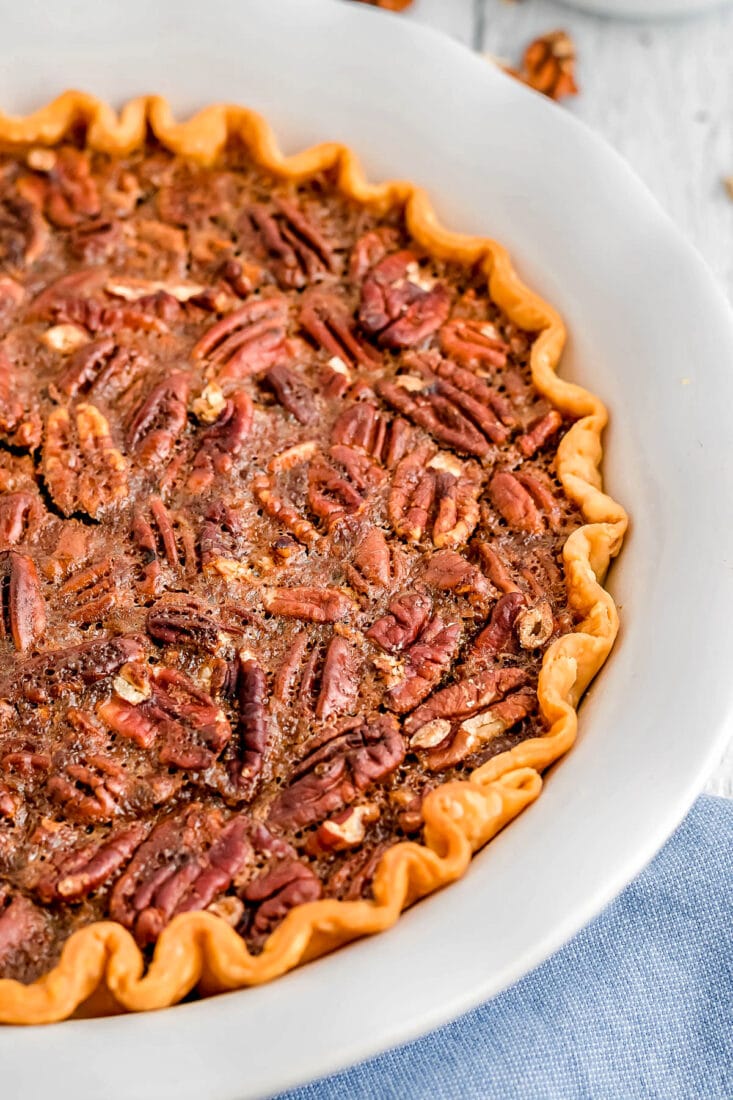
101	969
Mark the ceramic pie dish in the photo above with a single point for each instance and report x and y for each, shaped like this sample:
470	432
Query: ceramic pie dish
255	707
599	817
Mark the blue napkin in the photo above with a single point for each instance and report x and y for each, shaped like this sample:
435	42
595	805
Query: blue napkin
639	1004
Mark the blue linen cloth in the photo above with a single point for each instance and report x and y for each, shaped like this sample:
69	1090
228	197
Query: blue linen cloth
638	1005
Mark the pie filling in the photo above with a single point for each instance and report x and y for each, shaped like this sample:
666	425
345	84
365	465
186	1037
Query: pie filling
281	542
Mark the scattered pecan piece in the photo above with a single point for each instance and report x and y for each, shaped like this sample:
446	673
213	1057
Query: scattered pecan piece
548	65
344	830
79	873
82	468
534	625
332	775
316	605
188	860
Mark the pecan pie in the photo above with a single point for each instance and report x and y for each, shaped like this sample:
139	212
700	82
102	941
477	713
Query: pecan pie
302	543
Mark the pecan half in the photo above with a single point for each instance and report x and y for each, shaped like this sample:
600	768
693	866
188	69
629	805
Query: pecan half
170	713
83	470
407	618
185	621
375	563
159	420
318	682
447	571
475	732
76	875
539	433
366	427
187	861
425	663
473	344
55	672
65	190
90	593
292	392
252	731
316	605
284	885
222	442
331	495
164	540
295	249
333	774
464	698
328	322
22	606
247	341
95	791
400	312
21	516
23	233
20	422
22	926
498	636
524	501
434	493
96	364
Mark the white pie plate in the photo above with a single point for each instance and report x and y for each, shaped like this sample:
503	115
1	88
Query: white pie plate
650	332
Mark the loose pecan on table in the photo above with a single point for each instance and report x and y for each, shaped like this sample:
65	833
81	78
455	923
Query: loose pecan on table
548	65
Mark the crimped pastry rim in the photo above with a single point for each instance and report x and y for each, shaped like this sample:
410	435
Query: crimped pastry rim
199	949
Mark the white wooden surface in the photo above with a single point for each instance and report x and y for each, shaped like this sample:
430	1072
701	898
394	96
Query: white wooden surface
660	92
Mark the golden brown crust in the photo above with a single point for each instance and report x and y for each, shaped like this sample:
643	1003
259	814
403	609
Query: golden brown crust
199	949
